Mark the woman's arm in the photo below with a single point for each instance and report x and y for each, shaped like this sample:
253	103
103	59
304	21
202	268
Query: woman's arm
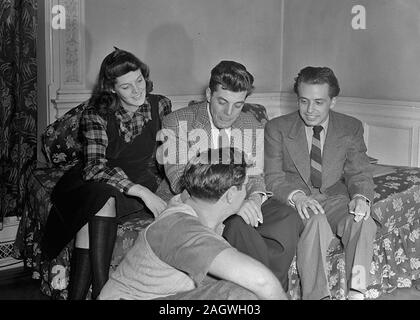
93	129
95	143
151	200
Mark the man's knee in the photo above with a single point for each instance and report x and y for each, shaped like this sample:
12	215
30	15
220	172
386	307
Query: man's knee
234	221
295	221
236	227
275	212
369	226
317	220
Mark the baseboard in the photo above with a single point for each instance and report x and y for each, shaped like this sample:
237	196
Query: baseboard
11	274
7	239
10	263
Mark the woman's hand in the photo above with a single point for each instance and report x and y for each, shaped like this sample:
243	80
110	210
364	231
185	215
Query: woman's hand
152	201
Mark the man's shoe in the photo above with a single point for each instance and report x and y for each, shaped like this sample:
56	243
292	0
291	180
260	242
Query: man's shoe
355	295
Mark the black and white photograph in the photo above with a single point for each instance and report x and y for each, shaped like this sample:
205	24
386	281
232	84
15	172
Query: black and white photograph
205	155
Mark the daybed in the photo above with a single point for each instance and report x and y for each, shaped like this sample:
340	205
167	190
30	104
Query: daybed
395	264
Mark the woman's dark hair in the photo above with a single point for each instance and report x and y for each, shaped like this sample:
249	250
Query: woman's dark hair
116	64
211	173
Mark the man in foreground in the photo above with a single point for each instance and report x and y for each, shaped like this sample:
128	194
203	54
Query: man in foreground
182	251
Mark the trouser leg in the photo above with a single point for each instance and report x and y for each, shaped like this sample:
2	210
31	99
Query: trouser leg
280	230
357	239
245	238
311	257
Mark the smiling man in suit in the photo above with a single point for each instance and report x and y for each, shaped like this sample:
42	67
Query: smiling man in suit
316	162
259	228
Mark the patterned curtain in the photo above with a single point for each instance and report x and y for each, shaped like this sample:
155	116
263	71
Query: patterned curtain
18	102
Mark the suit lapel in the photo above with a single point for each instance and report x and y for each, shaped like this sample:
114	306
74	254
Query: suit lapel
239	125
330	151
296	144
202	121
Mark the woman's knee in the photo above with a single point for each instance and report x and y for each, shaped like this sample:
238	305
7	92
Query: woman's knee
82	237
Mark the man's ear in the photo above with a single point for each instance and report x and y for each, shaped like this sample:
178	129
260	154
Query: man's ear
333	102
208	95
230	194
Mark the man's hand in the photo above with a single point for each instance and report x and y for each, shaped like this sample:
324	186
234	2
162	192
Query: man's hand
303	203
360	208
250	210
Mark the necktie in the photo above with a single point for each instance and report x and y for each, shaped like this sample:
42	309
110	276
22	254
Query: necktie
316	158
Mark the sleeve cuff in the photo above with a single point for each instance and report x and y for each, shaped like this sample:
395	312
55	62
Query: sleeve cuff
264	195
125	185
362	196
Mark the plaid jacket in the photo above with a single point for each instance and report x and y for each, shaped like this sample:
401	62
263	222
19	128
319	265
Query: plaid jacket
95	141
179	124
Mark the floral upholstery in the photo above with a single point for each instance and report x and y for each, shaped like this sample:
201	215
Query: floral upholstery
396	249
396	258
60	142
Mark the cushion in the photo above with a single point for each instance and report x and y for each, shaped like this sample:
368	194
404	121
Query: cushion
257	110
60	142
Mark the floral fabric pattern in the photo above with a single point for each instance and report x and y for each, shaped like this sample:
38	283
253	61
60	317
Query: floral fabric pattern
59	141
396	254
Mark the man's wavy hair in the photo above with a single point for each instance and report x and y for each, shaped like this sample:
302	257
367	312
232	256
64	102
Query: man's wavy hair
211	173
318	75
232	76
116	64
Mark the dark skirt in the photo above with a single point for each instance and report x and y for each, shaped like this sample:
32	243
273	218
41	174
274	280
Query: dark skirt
75	201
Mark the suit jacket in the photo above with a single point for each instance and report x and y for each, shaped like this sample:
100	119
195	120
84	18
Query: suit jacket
345	165
177	125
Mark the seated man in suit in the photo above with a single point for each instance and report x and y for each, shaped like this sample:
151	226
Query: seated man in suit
258	229
172	257
316	162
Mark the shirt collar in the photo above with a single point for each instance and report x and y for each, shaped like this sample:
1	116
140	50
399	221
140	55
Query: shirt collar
324	125
145	110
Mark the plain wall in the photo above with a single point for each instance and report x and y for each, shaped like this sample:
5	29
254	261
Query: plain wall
381	62
181	40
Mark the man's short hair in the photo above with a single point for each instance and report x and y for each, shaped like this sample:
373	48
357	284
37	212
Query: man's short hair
211	173
232	76
318	75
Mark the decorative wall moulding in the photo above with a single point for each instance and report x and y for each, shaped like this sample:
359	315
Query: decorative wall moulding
378	116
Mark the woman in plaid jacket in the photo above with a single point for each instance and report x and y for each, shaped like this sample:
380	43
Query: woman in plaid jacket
117	177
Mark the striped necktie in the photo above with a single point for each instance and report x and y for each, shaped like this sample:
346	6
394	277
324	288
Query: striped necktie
316	158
